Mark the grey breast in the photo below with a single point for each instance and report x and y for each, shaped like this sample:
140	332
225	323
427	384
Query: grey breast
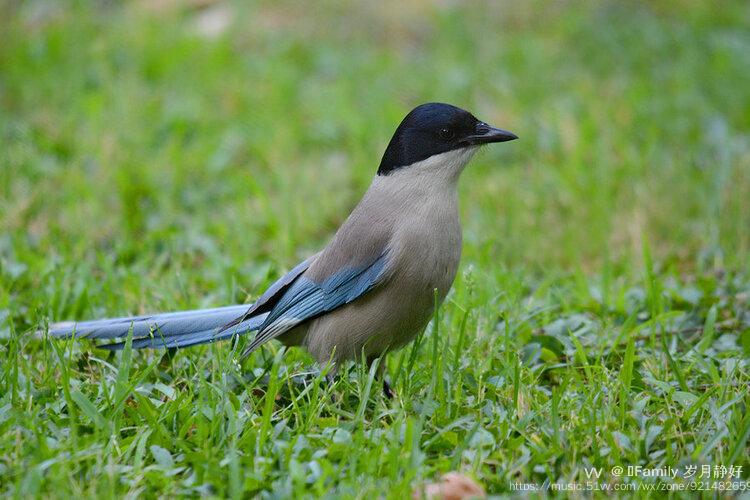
422	235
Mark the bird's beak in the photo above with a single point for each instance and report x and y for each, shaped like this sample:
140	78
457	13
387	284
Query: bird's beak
486	134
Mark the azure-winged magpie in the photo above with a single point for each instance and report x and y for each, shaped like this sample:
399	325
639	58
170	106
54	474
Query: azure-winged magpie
372	289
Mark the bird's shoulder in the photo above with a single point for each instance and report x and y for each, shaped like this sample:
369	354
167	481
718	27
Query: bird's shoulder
358	243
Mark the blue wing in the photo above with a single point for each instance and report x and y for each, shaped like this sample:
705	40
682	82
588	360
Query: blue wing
270	297
306	299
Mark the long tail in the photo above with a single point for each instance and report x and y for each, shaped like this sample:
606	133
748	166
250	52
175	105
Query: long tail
176	329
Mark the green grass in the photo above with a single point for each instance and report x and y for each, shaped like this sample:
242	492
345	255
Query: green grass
601	316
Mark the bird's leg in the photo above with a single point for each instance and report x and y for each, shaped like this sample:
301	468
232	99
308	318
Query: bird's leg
387	391
380	375
331	379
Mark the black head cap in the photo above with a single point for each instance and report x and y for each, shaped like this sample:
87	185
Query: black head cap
435	128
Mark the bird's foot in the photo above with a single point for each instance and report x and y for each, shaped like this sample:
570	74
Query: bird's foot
330	381
387	391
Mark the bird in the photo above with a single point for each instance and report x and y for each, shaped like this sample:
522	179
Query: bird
376	284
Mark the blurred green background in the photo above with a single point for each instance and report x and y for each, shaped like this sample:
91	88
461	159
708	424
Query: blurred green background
161	155
247	131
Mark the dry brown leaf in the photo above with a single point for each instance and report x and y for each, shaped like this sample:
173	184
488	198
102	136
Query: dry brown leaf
452	486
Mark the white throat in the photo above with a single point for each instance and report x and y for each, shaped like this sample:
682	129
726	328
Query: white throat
439	169
422	184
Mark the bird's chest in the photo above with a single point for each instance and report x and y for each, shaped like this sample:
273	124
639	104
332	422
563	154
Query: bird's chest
430	249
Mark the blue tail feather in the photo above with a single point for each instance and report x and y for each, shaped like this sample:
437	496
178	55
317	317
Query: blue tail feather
176	329
191	339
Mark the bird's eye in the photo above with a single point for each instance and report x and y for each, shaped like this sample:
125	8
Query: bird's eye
445	133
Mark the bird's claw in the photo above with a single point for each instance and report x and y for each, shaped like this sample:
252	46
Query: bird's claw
387	391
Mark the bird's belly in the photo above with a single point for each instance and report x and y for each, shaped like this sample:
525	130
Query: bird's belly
391	315
369	326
